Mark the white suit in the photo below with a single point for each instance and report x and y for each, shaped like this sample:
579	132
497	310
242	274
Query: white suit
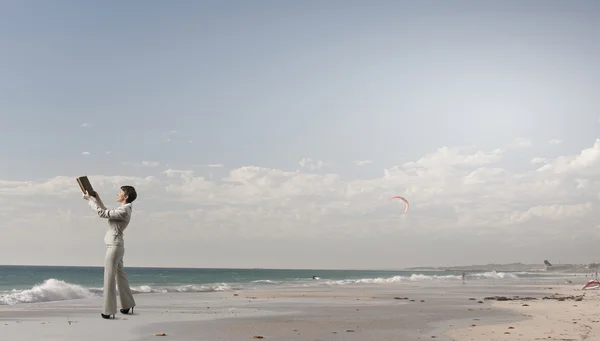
118	219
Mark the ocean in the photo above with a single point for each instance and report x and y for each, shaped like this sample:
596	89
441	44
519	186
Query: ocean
29	284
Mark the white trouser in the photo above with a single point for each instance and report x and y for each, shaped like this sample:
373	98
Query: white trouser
113	272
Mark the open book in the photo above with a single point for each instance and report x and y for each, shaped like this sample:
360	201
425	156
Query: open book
85	185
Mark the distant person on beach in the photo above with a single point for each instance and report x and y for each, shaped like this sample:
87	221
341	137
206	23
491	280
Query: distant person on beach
463	276
118	219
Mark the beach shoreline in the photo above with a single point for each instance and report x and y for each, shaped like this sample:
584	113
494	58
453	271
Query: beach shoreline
565	312
397	311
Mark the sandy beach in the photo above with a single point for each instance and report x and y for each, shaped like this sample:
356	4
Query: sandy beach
567	313
407	311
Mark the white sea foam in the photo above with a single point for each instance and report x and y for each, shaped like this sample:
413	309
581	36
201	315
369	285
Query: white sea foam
494	275
266	281
57	290
184	288
420	277
417	278
50	290
362	281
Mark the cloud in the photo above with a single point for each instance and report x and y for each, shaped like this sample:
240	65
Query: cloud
311	164
449	157
537	160
555	141
461	199
522	143
143	164
108	152
363	162
66	185
150	163
582	183
85	153
212	165
553	212
167	136
588	162
85	125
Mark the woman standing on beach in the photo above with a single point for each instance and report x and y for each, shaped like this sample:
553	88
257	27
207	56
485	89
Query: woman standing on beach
118	219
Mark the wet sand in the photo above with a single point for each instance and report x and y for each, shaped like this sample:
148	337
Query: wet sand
435	310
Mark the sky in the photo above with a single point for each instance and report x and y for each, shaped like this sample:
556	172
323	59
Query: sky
272	133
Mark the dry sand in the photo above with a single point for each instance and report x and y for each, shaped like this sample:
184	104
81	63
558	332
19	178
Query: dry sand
547	319
441	311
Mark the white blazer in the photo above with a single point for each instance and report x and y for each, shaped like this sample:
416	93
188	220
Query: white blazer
118	219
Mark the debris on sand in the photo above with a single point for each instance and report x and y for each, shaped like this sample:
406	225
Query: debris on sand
514	298
564	298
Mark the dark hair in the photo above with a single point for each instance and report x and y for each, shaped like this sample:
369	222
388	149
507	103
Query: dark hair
130	193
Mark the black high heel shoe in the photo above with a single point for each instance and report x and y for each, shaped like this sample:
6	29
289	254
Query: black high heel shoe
126	311
107	316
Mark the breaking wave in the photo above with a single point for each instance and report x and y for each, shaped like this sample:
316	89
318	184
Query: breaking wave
494	275
51	290
146	289
420	278
58	290
266	281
